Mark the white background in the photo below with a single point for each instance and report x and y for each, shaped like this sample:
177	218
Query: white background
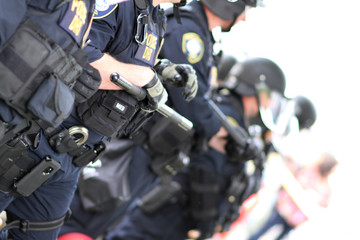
316	43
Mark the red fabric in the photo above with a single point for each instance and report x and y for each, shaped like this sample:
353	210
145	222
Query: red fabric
74	236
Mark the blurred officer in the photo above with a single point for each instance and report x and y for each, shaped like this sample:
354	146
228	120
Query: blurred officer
44	73
217	181
191	42
194	20
132	52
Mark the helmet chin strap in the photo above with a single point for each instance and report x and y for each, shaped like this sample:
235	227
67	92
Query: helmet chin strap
176	10
229	28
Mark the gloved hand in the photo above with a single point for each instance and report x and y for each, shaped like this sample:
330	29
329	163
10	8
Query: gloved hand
179	75
156	95
87	83
243	153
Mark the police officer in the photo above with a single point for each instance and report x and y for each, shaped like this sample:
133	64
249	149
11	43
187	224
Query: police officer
191	42
131	52
45	73
216	182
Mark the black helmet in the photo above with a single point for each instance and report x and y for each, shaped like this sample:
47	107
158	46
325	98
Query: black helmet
305	112
264	79
225	64
246	78
228	9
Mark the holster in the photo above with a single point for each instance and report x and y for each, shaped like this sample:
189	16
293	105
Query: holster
159	196
166	137
21	175
108	112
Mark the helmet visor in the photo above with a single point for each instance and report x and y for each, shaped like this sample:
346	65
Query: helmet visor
276	111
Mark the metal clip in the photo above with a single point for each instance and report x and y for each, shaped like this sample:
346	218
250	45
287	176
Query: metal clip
79	130
138	33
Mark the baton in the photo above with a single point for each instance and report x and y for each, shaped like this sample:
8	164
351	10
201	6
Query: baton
140	94
237	133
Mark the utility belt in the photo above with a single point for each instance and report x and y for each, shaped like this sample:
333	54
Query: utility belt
21	175
68	141
37	75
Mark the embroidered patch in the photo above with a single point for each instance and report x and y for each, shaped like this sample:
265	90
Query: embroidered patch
74	21
103	8
147	52
193	47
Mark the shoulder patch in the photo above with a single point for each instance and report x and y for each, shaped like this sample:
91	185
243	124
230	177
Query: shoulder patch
193	47
103	8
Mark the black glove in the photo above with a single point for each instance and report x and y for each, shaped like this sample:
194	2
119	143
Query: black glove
87	83
156	95
240	153
179	75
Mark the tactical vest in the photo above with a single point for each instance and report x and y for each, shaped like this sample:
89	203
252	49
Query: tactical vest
37	71
117	112
149	30
39	64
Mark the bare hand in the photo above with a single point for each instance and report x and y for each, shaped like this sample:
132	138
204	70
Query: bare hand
218	141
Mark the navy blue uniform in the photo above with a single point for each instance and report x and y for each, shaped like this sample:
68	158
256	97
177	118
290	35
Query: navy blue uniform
191	43
52	199
113	32
172	221
11	15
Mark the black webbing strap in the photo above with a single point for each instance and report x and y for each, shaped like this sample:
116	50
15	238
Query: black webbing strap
26	225
176	10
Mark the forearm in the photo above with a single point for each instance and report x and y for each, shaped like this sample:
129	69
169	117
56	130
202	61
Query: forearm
138	75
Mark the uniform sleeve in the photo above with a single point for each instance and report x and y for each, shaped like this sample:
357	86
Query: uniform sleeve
102	33
198	110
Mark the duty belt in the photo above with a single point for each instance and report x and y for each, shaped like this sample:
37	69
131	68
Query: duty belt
21	175
69	141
